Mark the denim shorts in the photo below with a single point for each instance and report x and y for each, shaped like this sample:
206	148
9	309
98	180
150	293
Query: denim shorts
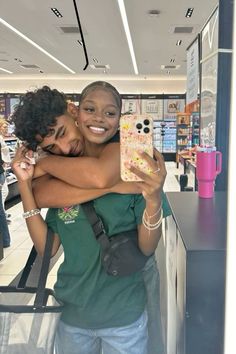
131	339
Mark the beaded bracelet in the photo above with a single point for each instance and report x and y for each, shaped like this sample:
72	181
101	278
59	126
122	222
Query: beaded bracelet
148	225
30	213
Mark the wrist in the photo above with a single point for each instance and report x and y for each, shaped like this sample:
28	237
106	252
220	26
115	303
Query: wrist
153	205
25	184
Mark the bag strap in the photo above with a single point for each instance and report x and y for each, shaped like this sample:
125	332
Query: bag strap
27	269
40	298
40	293
96	223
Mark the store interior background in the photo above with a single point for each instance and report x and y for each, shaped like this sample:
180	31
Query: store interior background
160	32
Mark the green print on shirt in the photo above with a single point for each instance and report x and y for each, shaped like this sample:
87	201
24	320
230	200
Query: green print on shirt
68	214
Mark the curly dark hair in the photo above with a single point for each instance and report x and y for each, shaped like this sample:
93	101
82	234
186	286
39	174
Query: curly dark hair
36	113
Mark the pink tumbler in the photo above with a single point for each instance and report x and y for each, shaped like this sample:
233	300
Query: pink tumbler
208	166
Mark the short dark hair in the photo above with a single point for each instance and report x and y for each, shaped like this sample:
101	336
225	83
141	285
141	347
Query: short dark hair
36	113
103	85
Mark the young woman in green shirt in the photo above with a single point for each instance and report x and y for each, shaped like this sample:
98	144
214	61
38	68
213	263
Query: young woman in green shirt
98	118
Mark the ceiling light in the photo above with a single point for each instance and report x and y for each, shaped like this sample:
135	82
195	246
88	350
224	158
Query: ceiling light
154	13
189	12
168	67
35	45
128	35
6	71
56	12
178	43
100	66
29	66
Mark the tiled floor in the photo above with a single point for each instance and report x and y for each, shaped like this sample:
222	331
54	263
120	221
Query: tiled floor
16	255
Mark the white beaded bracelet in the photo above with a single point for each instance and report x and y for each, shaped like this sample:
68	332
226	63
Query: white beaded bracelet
30	213
157	212
152	226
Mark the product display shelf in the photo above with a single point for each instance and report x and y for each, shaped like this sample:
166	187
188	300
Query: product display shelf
183	134
195	128
11	178
164	138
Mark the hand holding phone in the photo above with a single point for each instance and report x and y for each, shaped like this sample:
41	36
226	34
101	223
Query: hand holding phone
136	135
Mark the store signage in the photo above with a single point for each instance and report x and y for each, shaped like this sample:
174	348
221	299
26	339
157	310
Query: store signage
192	72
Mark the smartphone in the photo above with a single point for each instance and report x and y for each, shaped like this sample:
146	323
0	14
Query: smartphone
136	134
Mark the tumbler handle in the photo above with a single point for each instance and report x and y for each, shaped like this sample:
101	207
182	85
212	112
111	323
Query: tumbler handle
218	162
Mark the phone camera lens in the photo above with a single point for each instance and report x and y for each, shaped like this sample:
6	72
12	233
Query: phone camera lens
146	122
139	126
146	130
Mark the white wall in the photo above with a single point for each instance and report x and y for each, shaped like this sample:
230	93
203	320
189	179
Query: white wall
75	84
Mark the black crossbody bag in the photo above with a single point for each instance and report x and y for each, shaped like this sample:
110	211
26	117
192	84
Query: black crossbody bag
120	254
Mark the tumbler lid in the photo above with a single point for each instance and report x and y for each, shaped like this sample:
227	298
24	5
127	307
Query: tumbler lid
206	148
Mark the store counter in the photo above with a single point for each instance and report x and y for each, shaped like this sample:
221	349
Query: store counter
195	259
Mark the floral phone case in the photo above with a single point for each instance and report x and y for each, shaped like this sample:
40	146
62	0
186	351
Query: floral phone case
136	134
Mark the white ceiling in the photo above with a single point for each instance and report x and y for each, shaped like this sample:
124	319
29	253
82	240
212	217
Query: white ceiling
153	39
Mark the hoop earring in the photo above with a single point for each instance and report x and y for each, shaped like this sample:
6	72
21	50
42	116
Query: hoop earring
76	124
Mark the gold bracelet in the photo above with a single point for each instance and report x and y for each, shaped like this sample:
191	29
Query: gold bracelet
30	213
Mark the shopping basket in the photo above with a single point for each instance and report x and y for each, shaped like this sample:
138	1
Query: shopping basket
29	315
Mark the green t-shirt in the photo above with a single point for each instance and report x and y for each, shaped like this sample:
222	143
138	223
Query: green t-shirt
92	298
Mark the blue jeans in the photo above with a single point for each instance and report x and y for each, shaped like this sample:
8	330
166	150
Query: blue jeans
152	284
4	231
131	339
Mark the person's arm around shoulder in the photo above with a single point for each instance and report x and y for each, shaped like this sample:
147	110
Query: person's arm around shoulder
86	172
50	192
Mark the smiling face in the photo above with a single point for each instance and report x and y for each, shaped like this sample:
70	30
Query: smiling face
99	116
64	138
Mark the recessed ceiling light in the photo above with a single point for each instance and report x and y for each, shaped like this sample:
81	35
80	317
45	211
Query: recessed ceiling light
172	67
154	13
189	12
100	66
56	12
